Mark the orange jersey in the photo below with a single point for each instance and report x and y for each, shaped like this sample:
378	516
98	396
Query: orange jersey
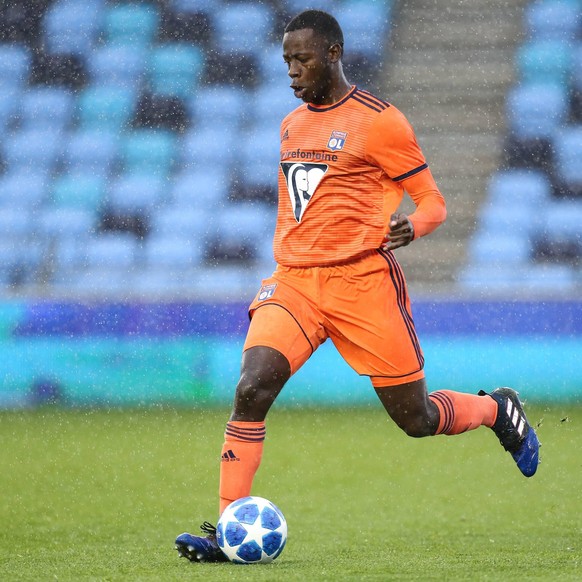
343	172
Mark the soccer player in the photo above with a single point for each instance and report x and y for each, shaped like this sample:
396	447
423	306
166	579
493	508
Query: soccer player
347	158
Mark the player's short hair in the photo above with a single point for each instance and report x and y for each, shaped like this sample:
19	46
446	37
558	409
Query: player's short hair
321	23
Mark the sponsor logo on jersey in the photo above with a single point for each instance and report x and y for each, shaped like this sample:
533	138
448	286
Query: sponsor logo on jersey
302	180
337	140
266	292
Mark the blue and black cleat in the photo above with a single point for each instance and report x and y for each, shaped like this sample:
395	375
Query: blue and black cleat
513	430
200	548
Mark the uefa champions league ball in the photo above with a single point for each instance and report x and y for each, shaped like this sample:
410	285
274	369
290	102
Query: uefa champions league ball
251	530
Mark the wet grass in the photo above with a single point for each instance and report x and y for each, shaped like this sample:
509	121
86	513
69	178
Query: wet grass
101	495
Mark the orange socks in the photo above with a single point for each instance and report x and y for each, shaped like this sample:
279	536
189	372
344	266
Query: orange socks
241	456
461	412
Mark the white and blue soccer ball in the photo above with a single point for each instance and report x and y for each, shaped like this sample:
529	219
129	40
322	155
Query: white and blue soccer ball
252	530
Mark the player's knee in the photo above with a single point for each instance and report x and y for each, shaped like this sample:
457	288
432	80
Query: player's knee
416	426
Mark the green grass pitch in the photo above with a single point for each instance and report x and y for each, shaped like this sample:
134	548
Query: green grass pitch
101	495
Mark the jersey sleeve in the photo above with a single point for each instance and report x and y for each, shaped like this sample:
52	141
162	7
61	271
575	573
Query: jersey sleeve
392	146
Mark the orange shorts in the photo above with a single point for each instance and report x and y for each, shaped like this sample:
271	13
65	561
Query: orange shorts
363	306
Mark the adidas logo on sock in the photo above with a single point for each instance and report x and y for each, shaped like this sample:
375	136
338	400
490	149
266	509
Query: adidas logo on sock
229	456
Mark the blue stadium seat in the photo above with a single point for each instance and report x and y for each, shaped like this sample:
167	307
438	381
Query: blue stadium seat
519	187
544	61
183	221
136	193
118	66
173	251
553	19
272	104
189	6
536	110
366	25
132	23
9	100
500	248
78	190
272	67
33	148
71	26
105	108
15	61
577	67
57	223
217	106
202	188
243	27
568	166
15	222
46	108
23	189
112	250
91	151
175	69
202	148
149	151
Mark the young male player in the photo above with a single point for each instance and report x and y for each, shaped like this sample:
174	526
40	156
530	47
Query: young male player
347	157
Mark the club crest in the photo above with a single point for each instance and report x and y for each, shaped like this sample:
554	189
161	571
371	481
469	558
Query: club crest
337	140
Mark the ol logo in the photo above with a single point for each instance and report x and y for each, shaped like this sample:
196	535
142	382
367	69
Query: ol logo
266	292
337	140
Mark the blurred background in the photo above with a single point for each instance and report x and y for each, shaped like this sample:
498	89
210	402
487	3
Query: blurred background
138	168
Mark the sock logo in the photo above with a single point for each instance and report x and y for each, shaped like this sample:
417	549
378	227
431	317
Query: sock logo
229	456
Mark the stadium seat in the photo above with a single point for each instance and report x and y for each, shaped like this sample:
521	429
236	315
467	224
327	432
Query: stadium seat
544	61
91	150
15	222
173	251
112	250
71	26
15	62
190	6
131	23
502	247
57	223
568	148
118	66
519	187
200	188
105	108
9	100
536	110
273	103
78	190
33	148
46	108
366	25
175	69
243	27
148	151
207	146
217	106
136	193
23	189
182	221
553	19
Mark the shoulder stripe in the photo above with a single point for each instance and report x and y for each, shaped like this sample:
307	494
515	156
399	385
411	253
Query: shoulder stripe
367	104
411	173
372	98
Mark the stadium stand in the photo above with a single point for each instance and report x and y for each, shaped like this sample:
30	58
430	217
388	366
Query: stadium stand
141	137
529	232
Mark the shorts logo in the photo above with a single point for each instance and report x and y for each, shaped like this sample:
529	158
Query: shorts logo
337	140
266	292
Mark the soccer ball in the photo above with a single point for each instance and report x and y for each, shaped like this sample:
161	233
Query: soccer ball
251	530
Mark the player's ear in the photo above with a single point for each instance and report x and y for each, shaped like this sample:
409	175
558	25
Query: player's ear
335	52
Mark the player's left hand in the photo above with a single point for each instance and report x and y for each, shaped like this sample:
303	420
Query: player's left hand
401	232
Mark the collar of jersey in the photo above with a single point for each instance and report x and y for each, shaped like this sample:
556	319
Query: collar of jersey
321	108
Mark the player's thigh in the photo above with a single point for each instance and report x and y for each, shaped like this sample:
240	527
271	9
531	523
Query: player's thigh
374	329
287	323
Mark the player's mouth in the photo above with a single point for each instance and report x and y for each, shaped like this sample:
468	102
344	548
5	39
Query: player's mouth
298	91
